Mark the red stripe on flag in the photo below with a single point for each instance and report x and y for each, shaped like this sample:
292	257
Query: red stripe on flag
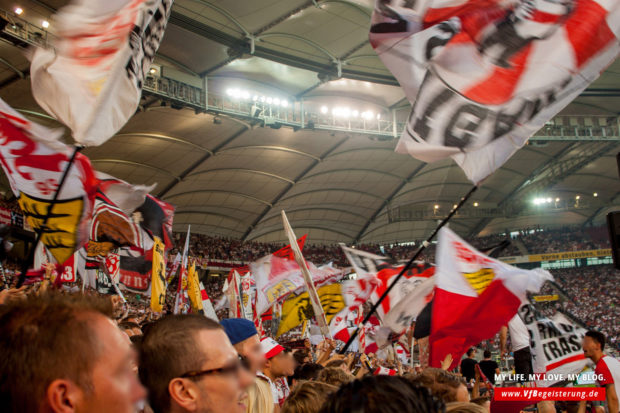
565	361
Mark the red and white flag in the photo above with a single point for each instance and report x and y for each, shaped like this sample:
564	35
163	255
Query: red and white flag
277	277
34	160
484	76
375	274
69	269
474	297
92	79
207	305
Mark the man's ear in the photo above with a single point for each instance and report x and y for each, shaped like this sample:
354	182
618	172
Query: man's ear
184	393
267	363
64	396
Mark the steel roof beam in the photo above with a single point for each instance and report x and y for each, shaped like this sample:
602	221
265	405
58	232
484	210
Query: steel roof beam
218	191
164	138
279	197
387	201
270	148
244	170
138	164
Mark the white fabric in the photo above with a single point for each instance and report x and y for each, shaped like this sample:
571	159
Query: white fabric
519	337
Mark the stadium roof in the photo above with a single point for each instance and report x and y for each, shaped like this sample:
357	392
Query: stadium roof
231	163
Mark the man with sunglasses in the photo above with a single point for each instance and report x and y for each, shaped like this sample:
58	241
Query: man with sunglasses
188	364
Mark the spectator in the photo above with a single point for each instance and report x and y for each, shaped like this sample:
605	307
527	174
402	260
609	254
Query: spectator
444	385
334	376
188	364
607	367
308	397
64	353
468	365
378	394
489	367
306	372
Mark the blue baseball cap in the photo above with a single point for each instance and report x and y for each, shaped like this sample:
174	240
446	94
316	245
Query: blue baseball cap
238	329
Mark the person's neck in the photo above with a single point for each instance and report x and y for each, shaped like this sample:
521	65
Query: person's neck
595	358
269	374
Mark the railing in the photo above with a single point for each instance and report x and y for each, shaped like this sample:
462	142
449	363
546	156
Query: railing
297	115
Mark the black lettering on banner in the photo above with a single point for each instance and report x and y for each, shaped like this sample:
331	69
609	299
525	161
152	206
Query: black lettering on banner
526	314
575	342
477	115
544	346
564	346
553	348
144	42
422	126
448	30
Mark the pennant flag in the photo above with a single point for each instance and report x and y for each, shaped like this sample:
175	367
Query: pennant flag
92	79
287	252
34	161
297	309
157	219
123	195
555	343
484	76
207	305
158	277
474	296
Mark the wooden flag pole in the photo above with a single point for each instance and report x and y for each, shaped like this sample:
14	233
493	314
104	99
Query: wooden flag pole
42	228
319	314
409	264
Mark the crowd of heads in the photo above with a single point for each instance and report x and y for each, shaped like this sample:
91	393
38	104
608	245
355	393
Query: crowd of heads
528	241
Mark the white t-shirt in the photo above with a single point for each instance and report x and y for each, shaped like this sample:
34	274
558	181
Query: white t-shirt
609	368
519	336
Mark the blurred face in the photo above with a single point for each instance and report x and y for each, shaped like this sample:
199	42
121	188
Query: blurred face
251	349
115	385
220	392
590	347
280	365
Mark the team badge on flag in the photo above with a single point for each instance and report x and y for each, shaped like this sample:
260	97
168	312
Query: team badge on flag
475	296
34	161
484	76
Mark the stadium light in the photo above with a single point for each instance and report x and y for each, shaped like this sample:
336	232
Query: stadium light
45	24
557	200
476	204
285	103
577	197
595	194
324	109
18	10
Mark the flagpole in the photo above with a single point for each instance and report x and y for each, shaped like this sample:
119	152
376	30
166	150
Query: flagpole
409	264
319	314
41	230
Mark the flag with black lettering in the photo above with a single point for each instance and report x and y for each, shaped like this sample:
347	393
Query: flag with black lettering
91	80
34	161
484	76
555	343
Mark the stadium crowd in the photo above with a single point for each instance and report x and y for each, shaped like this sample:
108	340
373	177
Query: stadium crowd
534	240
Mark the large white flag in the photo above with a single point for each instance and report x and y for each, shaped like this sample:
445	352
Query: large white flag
484	76
555	343
92	79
